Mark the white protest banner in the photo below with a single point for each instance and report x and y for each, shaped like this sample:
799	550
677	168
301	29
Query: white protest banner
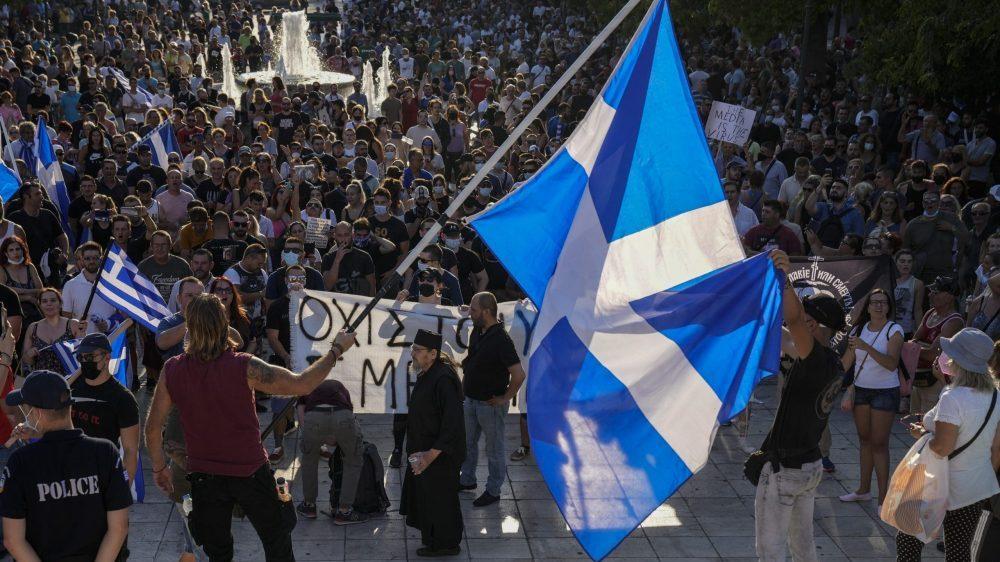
318	231
376	371
729	123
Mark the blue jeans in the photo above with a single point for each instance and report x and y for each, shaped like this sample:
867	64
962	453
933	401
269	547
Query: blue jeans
486	420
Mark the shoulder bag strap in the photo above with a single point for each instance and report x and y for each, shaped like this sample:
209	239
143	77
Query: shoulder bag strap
888	324
989	414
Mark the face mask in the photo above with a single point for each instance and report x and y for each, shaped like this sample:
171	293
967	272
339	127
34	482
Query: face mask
89	370
453	243
421	266
775	108
438	189
290	258
869	146
71	88
361	240
295	287
479	166
381	209
32	425
426	289
390	156
485	191
18	261
829	151
296	154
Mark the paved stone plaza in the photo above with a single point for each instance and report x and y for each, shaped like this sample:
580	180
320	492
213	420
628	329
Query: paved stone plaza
709	518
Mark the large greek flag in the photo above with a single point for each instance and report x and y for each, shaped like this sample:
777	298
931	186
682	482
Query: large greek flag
652	326
162	141
123	287
49	174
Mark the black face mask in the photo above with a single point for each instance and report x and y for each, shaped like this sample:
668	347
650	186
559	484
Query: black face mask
828	151
89	370
426	289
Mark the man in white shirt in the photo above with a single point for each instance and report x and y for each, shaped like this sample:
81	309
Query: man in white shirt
406	64
77	291
135	102
162	97
793	184
866	111
743	216
539	72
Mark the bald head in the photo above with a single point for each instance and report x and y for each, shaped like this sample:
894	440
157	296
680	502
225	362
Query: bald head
485	303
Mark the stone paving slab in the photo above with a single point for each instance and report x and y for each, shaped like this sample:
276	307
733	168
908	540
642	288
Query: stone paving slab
710	518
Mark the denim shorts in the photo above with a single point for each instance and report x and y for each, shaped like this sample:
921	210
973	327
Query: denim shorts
884	399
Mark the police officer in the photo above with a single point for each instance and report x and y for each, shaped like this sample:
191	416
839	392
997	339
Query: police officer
64	497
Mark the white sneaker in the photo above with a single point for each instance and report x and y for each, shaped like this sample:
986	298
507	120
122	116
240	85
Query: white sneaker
853	497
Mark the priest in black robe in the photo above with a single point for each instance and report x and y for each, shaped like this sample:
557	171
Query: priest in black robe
435	448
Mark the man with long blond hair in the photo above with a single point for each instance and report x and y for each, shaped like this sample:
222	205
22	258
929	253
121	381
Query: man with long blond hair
213	387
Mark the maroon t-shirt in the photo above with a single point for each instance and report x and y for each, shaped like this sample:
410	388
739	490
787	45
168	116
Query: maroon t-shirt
761	238
216	406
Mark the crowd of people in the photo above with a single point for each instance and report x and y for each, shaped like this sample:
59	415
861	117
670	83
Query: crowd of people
289	186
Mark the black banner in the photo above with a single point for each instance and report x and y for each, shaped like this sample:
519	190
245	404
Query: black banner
848	279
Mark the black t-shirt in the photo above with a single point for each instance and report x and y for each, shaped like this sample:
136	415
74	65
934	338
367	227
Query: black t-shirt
277	319
277	287
10	300
103	410
117	192
494	269
209	192
285	124
811	388
353	270
41	231
335	200
63	486
78	207
468	264
391	229
485	368
154	174
225	253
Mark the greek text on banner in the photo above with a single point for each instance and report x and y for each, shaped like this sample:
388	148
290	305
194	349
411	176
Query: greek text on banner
376	372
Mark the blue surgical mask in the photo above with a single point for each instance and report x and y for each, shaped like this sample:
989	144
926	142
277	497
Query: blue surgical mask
381	209
290	258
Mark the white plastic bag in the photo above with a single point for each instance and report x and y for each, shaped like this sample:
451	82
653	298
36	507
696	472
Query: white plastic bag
918	493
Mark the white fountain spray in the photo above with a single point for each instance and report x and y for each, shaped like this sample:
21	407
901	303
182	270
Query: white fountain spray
203	63
368	89
297	62
383	79
229	86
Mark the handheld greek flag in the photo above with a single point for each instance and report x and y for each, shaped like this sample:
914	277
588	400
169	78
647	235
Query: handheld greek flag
50	175
124	84
162	142
652	327
9	182
129	291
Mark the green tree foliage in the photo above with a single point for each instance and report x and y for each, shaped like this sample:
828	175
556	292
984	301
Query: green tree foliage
931	47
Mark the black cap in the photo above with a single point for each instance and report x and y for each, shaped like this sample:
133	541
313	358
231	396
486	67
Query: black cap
43	389
425	338
452	229
142	149
826	310
943	284
93	342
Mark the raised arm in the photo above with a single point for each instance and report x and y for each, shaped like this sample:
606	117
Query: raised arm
795	315
279	381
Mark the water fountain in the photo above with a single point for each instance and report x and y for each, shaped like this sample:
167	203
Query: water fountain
202	63
229	86
297	60
368	89
383	79
254	27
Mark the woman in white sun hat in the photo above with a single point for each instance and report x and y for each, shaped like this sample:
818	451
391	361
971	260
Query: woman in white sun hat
964	423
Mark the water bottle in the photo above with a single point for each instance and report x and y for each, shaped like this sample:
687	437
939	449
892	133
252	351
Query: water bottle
187	505
283	493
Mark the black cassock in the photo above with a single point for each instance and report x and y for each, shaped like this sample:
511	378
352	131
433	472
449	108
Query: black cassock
435	421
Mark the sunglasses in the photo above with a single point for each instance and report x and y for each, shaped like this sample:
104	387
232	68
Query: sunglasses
296	278
314	206
222	291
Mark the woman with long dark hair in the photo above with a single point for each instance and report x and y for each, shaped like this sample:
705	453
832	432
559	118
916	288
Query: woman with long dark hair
223	288
874	345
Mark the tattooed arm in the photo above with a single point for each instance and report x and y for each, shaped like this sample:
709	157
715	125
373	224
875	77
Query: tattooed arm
279	381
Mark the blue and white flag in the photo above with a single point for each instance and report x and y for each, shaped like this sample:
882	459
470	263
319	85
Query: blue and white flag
9	182
49	174
124	288
652	327
123	83
119	368
162	142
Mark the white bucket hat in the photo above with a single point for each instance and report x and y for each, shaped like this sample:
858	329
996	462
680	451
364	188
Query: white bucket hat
970	349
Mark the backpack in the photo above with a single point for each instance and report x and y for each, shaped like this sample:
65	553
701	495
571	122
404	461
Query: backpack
371	496
831	231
